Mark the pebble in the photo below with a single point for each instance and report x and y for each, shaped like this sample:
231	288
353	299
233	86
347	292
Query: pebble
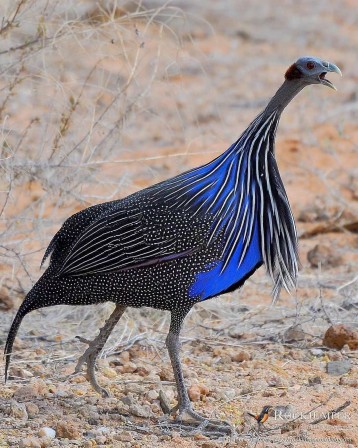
241	356
142	371
18	410
109	372
30	442
89	444
141	411
295	333
34	389
228	394
198	392
21	373
124	436
339	367
47	432
314	380
32	409
338	335
166	374
129	367
351	382
277	381
323	255
135	388
124	357
317	351
101	440
152	395
67	430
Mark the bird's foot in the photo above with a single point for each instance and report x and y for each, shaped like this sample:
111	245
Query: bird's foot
196	423
89	357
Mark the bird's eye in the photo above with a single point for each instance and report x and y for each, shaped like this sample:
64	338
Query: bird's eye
310	65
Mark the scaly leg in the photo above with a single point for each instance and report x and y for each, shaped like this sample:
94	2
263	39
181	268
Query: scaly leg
95	347
184	408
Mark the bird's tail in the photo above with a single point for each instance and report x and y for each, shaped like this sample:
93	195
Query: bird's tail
30	303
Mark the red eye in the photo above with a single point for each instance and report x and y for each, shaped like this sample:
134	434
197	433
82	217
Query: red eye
310	65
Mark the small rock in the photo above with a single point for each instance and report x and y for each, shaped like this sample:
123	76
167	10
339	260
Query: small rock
238	334
338	367
152	395
228	394
277	381
142	371
335	355
20	373
164	402
156	408
18	410
78	379
124	436
166	374
32	409
338	335
141	411
67	430
34	389
89	444
124	357
295	333
6	302
346	381
109	372
194	393
314	380
241	356
198	392
316	351
101	440
134	388
323	255
30	442
129	367
47	432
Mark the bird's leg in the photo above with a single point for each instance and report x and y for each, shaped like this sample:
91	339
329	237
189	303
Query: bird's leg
184	408
95	347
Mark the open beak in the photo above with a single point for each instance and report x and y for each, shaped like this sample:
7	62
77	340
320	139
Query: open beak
330	68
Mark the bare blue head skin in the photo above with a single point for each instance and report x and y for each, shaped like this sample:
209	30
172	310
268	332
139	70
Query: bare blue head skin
312	70
304	72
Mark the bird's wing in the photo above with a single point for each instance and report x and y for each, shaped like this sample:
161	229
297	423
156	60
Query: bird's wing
126	238
72	227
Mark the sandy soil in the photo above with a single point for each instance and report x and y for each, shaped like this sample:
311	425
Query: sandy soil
97	103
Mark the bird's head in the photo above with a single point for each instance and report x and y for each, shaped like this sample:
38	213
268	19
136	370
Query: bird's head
312	70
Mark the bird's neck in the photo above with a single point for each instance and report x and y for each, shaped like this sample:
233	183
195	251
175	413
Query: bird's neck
283	96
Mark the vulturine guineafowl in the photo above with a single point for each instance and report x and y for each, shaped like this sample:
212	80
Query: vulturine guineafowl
184	240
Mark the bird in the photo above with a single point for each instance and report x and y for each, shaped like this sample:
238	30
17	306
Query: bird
263	416
184	240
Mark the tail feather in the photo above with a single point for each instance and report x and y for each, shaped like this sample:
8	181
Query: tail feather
26	306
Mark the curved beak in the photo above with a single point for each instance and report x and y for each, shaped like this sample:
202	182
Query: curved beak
330	68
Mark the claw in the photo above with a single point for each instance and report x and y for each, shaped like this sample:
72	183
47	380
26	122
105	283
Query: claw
89	357
187	415
94	348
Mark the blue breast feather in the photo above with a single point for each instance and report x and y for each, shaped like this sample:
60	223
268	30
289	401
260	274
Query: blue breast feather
216	281
233	190
227	190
